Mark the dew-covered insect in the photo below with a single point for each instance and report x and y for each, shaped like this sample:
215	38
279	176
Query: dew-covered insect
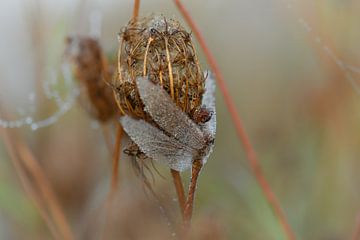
173	138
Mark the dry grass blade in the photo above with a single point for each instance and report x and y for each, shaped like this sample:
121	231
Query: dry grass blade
356	232
250	152
179	189
114	181
106	131
46	190
28	187
116	158
42	188
196	168
136	10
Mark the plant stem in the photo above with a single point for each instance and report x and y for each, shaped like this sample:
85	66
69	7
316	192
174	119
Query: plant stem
356	232
28	186
116	158
195	171
136	10
114	181
240	130
41	188
179	189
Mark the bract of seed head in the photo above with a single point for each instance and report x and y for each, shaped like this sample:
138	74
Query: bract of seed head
161	49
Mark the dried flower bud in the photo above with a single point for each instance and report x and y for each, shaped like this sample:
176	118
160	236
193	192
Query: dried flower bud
161	49
90	69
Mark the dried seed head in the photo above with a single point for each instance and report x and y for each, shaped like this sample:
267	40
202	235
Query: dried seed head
90	69
161	49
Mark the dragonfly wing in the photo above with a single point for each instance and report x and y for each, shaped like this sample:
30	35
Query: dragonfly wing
208	101
158	146
167	115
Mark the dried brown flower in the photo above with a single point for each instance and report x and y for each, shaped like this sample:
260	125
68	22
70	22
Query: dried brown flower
91	70
161	49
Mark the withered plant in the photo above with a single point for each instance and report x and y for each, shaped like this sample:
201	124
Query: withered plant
157	91
158	50
148	48
94	73
91	69
161	50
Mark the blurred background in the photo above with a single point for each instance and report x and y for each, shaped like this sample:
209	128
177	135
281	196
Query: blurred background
293	69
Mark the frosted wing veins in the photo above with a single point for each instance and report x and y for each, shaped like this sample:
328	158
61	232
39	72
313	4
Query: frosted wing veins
158	146
167	115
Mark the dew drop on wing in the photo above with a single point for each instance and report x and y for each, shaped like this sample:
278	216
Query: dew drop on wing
158	146
167	115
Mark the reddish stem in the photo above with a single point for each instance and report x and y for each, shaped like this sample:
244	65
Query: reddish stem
42	185
114	180
116	158
179	189
356	233
136	10
240	130
195	171
29	186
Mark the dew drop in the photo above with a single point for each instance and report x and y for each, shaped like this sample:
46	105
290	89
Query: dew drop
34	127
4	124
28	120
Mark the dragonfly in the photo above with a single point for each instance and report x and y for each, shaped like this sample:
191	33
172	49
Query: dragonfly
173	138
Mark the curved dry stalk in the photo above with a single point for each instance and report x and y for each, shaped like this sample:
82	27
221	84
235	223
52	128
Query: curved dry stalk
195	171
41	187
114	179
107	137
240	130
356	232
116	158
28	187
136	10
179	189
44	187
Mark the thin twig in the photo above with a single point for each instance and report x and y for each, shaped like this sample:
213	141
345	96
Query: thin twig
107	137
114	180
356	232
116	158
136	10
179	189
250	152
43	184
27	184
195	171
